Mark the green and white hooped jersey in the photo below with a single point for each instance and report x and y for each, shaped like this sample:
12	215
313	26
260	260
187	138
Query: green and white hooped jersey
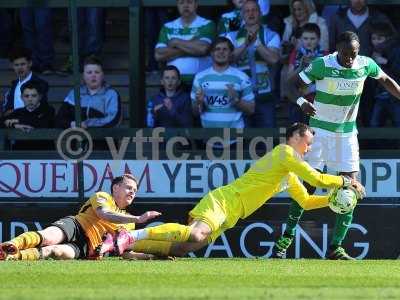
218	111
200	28
338	91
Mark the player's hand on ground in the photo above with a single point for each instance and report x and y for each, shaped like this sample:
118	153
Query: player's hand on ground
308	108
131	255
148	215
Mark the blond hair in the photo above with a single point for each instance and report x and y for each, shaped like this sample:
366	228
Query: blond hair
309	6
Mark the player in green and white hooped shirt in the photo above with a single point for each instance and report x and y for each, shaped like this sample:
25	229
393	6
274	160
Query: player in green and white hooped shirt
185	42
339	79
222	93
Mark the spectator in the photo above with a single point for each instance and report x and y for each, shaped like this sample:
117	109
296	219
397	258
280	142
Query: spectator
172	106
308	49
101	104
386	53
302	12
257	47
38	37
231	21
221	93
21	60
359	18
34	114
90	33
185	41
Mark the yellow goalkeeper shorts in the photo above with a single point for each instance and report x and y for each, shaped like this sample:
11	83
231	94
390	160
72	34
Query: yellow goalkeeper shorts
220	209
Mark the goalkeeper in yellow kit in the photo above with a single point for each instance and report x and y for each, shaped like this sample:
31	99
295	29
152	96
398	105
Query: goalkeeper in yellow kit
221	208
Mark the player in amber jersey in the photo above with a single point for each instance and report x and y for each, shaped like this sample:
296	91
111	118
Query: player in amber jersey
221	208
79	236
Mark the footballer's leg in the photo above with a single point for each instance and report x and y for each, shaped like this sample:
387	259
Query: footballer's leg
64	251
26	240
31	239
207	217
197	231
26	254
345	159
170	232
182	249
342	224
59	252
158	248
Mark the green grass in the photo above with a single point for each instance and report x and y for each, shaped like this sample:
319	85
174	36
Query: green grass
201	279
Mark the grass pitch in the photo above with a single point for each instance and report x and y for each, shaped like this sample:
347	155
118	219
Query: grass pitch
201	279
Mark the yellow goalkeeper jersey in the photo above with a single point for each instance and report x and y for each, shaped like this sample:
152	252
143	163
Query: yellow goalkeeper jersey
95	227
275	172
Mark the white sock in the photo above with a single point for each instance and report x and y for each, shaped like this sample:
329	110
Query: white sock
139	234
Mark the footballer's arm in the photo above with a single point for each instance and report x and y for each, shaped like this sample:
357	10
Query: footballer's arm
299	193
120	218
389	84
295	87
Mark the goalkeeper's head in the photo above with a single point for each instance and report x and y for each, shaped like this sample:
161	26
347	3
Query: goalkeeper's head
300	137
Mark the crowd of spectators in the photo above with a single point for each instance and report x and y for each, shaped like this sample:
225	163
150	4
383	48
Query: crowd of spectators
230	72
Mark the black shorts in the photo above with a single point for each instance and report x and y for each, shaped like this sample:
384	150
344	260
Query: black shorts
75	236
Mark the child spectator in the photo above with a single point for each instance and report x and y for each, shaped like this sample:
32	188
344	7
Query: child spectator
101	104
309	49
172	106
386	53
34	114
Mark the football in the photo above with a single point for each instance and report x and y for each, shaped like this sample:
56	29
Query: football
343	200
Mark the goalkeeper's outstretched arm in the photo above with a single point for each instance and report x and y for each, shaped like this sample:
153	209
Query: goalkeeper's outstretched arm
298	192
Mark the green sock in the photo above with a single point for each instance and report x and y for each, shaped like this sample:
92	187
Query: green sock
343	221
294	216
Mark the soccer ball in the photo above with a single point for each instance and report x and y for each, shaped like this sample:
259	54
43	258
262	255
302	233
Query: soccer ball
343	200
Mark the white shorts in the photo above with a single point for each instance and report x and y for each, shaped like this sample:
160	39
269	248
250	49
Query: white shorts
338	153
